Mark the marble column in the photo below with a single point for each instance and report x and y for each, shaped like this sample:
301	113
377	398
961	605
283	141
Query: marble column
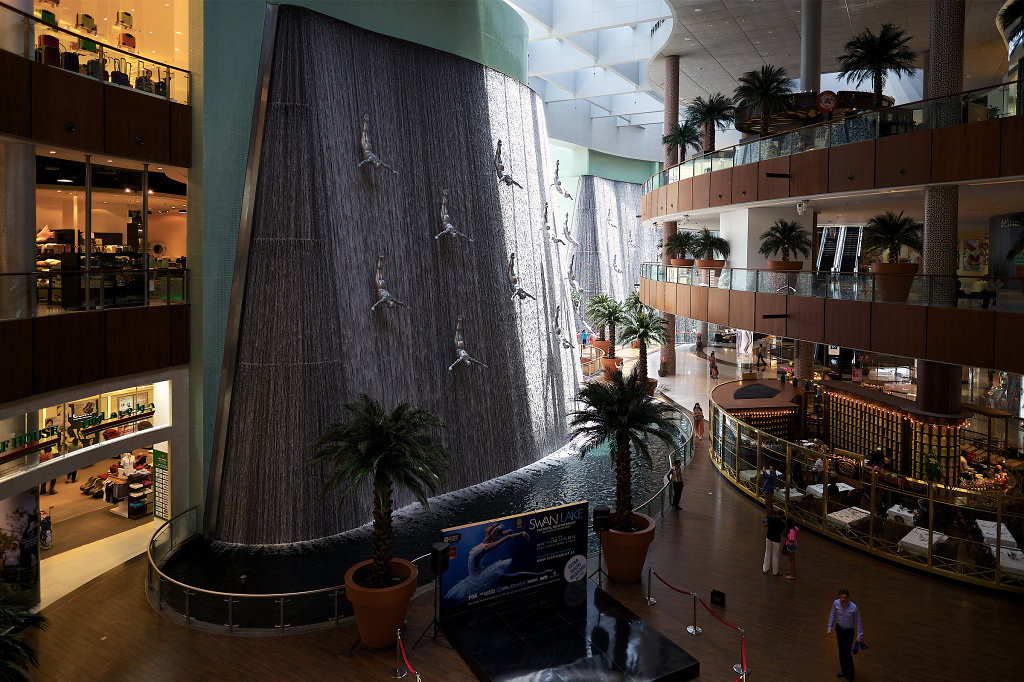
810	45
669	228
803	360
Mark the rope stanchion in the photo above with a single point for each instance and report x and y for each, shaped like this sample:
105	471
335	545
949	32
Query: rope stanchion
694	629
399	672
408	665
651	601
741	668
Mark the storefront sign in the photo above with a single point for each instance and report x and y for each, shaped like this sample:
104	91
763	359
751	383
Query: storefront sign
827	101
161	485
1015	42
49	437
498	559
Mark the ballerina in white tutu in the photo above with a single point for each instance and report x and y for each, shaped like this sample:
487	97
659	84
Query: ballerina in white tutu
482	577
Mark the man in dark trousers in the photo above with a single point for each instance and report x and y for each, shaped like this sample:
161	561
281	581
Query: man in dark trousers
775	526
845	617
675	475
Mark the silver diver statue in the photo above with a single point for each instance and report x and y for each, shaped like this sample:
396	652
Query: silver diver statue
499	168
367	152
446	221
552	226
513	280
615	264
568	232
573	283
556	329
383	295
557	184
460	348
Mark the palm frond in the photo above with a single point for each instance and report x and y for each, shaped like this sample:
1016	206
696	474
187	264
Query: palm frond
886	233
769	89
872	57
706	244
785	236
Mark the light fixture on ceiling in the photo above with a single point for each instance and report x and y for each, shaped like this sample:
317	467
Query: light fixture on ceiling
68	180
150	191
127	190
52	151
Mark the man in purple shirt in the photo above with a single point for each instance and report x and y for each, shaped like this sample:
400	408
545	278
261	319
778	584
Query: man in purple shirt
846	619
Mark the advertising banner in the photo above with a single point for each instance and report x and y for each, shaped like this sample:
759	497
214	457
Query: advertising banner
19	544
495	560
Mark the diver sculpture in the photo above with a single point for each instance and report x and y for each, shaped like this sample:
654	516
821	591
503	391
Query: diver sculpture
383	295
460	348
556	329
615	264
552	226
367	152
557	184
610	221
446	221
513	281
573	283
568	232
499	168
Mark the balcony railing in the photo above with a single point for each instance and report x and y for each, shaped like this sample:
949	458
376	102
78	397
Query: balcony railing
1003	294
939	112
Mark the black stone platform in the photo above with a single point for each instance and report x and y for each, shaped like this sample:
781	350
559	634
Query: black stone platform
574	633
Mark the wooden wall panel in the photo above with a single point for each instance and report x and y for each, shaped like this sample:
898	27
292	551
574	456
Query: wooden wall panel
848	323
138	339
741	310
718	306
698	303
851	167
1009	331
67	109
659	295
180	336
744	183
899	329
966	152
685	198
903	159
181	134
669	301
1012	144
137	125
721	187
662	200
701	191
808	173
15	360
672	198
805	318
53	365
682	292
946	338
16	103
770	304
772	188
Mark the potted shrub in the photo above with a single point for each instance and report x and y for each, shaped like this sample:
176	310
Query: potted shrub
705	246
610	314
783	237
644	326
1016	250
594	308
16	654
885	235
621	414
382	449
677	245
662	368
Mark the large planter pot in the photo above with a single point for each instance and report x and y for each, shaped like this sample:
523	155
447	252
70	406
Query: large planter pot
893	281
1018	271
680	262
381	611
709	264
785	265
610	366
625	553
603	345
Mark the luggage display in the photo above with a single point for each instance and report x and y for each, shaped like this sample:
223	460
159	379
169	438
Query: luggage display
69	61
47	17
126	40
119	76
86	45
144	81
47	40
85	22
94	69
123	19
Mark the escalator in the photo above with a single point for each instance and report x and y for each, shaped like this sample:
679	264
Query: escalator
827	248
839	250
848	257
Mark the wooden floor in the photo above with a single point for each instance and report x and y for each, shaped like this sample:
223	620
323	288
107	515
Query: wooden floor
918	627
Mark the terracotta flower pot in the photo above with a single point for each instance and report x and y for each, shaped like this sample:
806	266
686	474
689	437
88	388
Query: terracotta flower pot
603	345
625	553
680	262
785	265
710	264
611	366
381	611
893	281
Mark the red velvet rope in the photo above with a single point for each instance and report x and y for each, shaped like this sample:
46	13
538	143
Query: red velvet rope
401	645
701	603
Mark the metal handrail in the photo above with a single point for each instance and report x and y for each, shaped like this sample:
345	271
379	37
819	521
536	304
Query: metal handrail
687	443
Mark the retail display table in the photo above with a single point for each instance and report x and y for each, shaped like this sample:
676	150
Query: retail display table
898	512
988	530
844	518
916	541
816	489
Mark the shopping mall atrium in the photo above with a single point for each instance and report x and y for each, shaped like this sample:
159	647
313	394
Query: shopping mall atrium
511	339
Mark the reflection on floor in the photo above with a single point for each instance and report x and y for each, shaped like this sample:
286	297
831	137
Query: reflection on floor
572	633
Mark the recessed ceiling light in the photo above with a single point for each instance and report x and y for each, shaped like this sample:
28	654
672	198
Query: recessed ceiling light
159	167
110	161
52	151
150	191
64	180
59	191
127	190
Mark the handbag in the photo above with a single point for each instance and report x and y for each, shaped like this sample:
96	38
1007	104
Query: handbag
126	40
123	19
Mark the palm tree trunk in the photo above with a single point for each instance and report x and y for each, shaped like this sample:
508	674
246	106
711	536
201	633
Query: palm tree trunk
380	572
707	138
876	83
611	336
642	361
623	485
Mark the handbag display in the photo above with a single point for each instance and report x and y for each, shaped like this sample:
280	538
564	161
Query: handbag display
126	40
85	22
47	40
47	17
86	45
123	19
94	69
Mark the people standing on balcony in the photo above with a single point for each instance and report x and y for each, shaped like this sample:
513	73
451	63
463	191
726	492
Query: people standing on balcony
698	421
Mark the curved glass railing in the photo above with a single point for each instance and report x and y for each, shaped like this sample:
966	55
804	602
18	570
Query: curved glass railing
656	504
969	534
940	112
987	293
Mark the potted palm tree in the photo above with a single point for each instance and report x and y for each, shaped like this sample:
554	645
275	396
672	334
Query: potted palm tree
885	235
705	246
383	449
595	306
715	112
867	55
768	90
679	138
16	655
783	237
1016	250
621	414
644	326
678	245
610	314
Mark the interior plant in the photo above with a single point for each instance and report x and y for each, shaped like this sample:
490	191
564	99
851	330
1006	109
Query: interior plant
385	450
867	55
609	315
645	326
784	237
620	414
706	245
678	245
594	307
709	114
633	303
16	655
885	235
769	89
680	137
